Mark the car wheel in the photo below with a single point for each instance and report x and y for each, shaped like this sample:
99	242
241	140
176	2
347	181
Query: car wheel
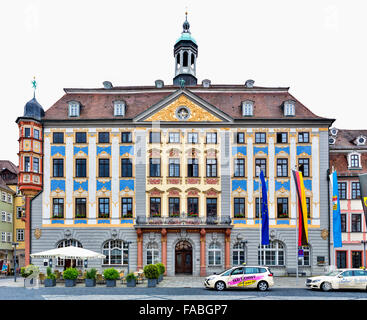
262	286
326	286
220	286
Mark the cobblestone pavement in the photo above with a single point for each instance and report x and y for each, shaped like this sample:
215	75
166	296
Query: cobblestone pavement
171	282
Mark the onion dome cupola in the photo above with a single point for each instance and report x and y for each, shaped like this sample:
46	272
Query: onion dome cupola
185	53
33	110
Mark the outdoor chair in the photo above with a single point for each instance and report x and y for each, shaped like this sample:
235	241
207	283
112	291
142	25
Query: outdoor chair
99	279
41	277
58	275
141	277
122	277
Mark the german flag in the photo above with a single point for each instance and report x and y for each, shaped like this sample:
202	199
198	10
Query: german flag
302	209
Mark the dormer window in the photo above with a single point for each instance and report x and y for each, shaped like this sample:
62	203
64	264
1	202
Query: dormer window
74	109
331	140
289	108
119	108
360	141
206	83
354	161
334	131
247	108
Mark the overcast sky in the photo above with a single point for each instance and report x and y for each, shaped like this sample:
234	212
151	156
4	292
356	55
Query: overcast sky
317	48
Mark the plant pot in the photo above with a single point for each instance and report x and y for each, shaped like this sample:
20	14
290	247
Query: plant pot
160	278
70	282
90	282
152	283
111	283
50	282
131	283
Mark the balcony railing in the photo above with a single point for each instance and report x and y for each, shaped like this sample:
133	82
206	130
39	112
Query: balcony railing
183	220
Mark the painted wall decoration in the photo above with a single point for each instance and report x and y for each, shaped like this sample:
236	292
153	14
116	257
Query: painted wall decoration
58	150
281	149
260	150
126	150
81	150
57	184
257	185
242	184
80	185
103	185
303	150
126	184
101	150
279	185
239	150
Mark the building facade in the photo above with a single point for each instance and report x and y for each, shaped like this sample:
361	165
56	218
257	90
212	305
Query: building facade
174	169
348	156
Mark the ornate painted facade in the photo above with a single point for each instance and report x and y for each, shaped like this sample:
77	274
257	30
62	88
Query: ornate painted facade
174	169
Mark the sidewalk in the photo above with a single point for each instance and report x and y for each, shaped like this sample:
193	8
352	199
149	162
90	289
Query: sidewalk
170	282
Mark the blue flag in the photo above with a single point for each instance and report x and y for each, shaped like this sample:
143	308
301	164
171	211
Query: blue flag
337	233
264	212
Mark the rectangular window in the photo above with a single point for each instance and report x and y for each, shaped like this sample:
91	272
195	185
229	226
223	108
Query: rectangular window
193	207
103	137
174	137
239	167
303	137
80	137
211	167
239	207
36	134
36	165
211	207
356	222
58	167
354	161
127	207
343	221
174	167
126	168
282	137
282	206
192	137
174	207
103	168
80	208
260	137
19	212
3	236
282	167
356	190
57	208
258	205
240	137
154	167
341	259
211	137
155	207
260	165
126	137
58	137
20	234
304	167
193	167
103	208
342	188
27	164
8	237
80	168
27	132
9	217
154	137
308	206
3	216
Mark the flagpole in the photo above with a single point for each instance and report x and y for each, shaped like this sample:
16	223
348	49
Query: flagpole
260	222
297	236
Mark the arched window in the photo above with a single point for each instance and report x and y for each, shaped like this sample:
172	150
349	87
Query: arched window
305	259
238	254
271	254
68	243
116	252
152	253
192	60
214	254
185	59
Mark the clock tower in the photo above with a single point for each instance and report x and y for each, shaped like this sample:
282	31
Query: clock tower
185	53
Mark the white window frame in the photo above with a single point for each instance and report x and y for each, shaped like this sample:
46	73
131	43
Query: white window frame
10	198
247	108
153	249
9	217
238	249
20	234
3	236
9	237
289	108
350	160
19	212
276	249
3	216
111	246
3	196
214	251
119	108
74	109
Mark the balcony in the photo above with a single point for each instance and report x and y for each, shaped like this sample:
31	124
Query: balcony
183	220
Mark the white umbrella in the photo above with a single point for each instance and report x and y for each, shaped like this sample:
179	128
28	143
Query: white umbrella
68	253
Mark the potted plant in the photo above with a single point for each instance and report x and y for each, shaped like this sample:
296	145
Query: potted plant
161	269
50	280
151	273
131	280
70	275
90	277
111	275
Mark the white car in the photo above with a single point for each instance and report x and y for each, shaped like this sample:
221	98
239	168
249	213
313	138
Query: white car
339	279
259	277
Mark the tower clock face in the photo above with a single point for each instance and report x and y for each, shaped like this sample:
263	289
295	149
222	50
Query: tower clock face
182	113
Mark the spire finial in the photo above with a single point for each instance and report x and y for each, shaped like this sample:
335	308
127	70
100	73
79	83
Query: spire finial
186	24
34	86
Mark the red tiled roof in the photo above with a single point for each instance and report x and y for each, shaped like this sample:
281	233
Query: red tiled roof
98	103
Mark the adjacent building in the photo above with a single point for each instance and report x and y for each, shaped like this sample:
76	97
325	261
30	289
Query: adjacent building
171	173
348	156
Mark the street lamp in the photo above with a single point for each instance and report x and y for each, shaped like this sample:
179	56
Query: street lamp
243	242
364	251
14	244
128	255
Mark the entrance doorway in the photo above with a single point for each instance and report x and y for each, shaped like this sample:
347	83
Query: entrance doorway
183	257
